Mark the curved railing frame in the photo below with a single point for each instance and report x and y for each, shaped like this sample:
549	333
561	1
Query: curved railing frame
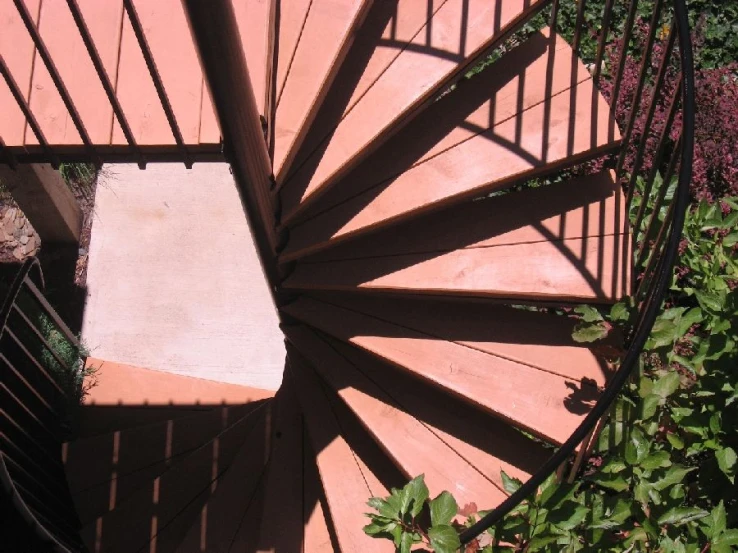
651	304
7	487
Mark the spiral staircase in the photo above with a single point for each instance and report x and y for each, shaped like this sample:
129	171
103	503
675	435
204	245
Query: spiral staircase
421	243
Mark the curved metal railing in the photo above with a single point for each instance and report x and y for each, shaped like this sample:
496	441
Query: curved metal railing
656	235
35	496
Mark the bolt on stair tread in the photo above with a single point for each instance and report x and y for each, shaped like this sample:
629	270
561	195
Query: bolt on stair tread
554	135
412	446
565	241
455	36
543	66
121	463
543	403
325	37
344	480
179	491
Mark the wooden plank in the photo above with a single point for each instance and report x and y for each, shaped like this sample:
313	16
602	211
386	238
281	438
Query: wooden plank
560	242
326	36
291	18
104	470
414	447
16	48
541	402
540	68
252	17
546	137
457	33
174	497
60	34
282	522
344	482
166	31
317	536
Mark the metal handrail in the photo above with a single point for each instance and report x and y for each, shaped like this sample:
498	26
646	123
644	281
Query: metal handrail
42	531
651	304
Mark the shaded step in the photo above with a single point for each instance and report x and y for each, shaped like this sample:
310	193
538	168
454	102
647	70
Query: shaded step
563	242
222	515
413	446
104	470
305	72
347	481
160	513
520	365
319	534
554	134
453	38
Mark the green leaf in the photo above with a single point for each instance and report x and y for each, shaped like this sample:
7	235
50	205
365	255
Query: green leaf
611	482
717	521
636	448
443	509
673	476
675	441
511	485
589	314
589	332
619	312
656	460
414	495
649	405
709	301
444	539
730	240
726	458
406	542
666	385
566	519
681	515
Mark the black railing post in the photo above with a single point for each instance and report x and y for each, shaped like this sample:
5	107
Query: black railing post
216	36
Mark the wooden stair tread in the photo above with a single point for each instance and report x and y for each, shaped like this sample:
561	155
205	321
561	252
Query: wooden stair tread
545	403
414	447
487	162
326	33
317	535
282	519
566	241
104	470
457	33
539	68
344	480
164	509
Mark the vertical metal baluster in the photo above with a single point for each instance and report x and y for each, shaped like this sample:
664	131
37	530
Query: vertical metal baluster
579	25
657	89
604	30
105	80
655	259
628	31
660	150
7	154
643	73
56	77
156	78
28	114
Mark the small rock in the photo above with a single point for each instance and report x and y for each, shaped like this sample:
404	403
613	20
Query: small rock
29	248
23	239
18	253
10	214
19	222
33	242
82	251
9	227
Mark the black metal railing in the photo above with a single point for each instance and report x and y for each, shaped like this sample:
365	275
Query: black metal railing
37	379
654	166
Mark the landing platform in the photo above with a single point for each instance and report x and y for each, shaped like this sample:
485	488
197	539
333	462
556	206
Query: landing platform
174	282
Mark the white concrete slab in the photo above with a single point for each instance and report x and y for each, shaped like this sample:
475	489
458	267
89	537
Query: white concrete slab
174	283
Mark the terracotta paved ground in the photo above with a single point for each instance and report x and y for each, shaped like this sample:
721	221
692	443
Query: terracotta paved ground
173	279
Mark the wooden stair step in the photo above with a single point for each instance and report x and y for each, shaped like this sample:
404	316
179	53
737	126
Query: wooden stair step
319	535
413	446
548	400
325	36
563	242
347	482
454	37
222	515
163	511
540	68
555	134
282	519
104	470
